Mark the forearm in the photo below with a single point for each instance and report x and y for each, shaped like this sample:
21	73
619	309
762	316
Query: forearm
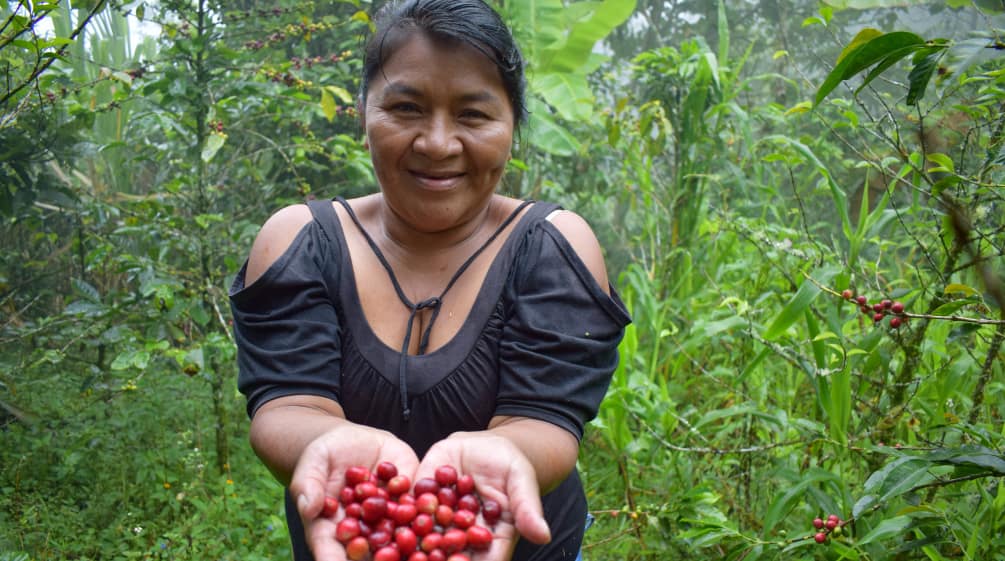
550	449
282	428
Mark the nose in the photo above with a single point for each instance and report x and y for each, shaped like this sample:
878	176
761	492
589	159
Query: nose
438	139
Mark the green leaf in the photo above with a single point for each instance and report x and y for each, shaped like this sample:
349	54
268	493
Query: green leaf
922	73
199	315
886	529
869	49
569	94
574	53
87	290
328	105
122	361
839	413
943	163
214	142
548	135
898	477
970	456
808	291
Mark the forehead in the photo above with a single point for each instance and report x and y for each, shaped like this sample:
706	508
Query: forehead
419	58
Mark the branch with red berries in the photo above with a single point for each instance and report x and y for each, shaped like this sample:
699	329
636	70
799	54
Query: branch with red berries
878	311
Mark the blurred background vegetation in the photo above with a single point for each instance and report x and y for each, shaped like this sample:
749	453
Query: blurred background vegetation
744	163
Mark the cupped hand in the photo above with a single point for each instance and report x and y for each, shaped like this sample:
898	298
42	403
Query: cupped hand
321	471
501	473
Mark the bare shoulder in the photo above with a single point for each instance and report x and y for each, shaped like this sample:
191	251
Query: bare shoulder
274	239
582	239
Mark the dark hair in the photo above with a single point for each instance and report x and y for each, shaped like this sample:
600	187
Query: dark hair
469	21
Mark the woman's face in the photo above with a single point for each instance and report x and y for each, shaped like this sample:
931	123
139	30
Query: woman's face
439	127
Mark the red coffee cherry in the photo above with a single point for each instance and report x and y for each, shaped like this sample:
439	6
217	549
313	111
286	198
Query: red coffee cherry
365	490
820	537
347	530
818	523
465	485
491	511
454	540
464	519
897	307
458	557
347	495
426	485
357	549
354	510
427	503
386	470
447	496
331	507
469	502
444	515
445	476
399	485
387	553
406	499
378	539
406	540
431	542
479	538
423	524
418	556
896	322
356	475
374	509
847	294
862	300
386	525
437	555
404	514
878	317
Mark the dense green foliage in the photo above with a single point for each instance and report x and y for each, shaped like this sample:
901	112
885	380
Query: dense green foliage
743	163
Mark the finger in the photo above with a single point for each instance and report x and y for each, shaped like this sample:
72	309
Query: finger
308	482
321	537
503	543
525	504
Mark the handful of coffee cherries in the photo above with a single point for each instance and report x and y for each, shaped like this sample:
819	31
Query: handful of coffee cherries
387	518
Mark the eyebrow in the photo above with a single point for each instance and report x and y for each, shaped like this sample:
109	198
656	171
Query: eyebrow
402	88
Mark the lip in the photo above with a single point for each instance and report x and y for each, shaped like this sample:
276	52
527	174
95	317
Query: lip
437	181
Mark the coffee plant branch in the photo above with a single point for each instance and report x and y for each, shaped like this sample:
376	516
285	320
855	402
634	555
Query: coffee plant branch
709	450
953	317
40	68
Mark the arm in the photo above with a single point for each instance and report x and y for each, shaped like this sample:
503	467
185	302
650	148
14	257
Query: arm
308	445
289	350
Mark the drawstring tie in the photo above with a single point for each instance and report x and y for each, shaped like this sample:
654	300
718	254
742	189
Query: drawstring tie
429	303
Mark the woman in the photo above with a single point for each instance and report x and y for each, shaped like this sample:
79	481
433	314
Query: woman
434	322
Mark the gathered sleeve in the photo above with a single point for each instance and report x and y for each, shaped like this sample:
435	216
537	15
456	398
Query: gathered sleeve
286	327
559	346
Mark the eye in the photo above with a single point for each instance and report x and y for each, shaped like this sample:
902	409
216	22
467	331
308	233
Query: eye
473	114
405	107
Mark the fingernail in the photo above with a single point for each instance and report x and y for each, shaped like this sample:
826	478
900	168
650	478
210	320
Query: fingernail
302	503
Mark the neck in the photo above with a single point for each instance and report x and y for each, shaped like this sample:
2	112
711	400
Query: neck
409	244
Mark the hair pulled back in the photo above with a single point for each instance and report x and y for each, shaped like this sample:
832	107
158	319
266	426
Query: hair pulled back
472	22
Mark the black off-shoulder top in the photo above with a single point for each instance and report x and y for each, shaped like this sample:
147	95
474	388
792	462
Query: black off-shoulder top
540	342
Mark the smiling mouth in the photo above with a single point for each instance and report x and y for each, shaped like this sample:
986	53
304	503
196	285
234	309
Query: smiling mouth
438	180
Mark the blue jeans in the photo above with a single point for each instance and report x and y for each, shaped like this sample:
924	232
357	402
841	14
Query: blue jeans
589	522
